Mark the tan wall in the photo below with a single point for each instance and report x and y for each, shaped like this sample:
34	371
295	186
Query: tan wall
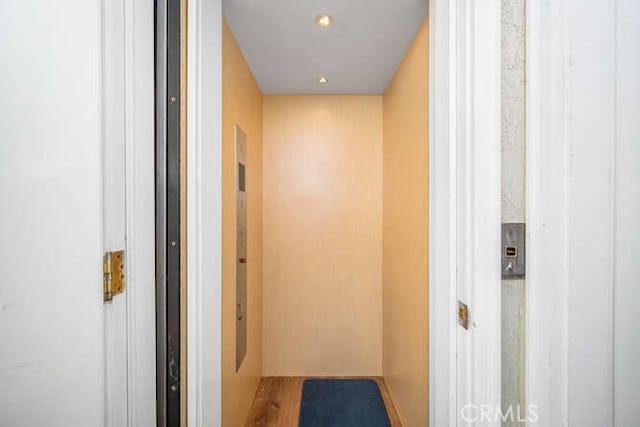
242	105
322	235
404	231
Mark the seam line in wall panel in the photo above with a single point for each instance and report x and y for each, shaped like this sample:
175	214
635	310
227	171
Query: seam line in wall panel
613	195
565	220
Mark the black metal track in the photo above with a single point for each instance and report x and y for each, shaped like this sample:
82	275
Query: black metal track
168	101
173	213
161	206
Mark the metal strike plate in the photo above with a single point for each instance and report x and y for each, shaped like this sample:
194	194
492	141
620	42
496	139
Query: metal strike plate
463	315
113	270
513	250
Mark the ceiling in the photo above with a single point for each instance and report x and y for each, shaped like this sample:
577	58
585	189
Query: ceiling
359	53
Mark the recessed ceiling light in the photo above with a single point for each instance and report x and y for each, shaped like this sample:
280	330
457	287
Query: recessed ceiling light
324	20
323	80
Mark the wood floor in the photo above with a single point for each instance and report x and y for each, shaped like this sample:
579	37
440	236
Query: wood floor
277	402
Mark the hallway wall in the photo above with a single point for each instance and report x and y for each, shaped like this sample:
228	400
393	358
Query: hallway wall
322	235
242	105
405	314
513	291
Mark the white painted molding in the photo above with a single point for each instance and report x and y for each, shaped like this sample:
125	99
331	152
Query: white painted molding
140	212
128	144
442	295
482	197
204	217
465	125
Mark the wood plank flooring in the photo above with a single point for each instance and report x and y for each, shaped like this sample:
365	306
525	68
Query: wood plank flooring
277	402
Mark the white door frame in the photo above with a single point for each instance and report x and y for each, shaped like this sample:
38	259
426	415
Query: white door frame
464	79
131	395
140	207
465	209
204	213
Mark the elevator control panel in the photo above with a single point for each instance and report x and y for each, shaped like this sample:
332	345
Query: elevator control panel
513	250
241	245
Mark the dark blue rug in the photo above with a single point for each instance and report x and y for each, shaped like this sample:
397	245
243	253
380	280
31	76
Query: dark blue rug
342	403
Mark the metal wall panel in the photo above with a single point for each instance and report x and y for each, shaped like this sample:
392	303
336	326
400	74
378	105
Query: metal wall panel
241	245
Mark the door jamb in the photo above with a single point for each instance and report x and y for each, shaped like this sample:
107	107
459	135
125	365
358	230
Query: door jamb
139	214
140	240
464	152
204	213
442	332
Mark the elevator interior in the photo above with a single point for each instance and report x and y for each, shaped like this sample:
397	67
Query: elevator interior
325	197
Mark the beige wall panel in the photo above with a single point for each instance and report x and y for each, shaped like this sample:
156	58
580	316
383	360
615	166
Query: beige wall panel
242	105
405	235
322	235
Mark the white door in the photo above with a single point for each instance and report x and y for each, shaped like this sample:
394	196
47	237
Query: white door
52	357
68	120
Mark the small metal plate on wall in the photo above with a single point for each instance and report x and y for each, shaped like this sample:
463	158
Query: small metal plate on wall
463	315
513	250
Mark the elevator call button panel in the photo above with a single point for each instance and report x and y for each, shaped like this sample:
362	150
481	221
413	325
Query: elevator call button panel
241	245
513	251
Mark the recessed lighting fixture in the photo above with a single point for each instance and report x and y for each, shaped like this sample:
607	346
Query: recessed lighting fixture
323	20
323	80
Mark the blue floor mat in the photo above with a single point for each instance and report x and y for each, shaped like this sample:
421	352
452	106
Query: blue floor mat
342	403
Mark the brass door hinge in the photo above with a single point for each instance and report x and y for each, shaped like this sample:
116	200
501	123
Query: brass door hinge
113	278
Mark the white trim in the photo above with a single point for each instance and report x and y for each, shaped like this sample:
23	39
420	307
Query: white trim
140	211
464	206
485	192
130	383
204	213
442	296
